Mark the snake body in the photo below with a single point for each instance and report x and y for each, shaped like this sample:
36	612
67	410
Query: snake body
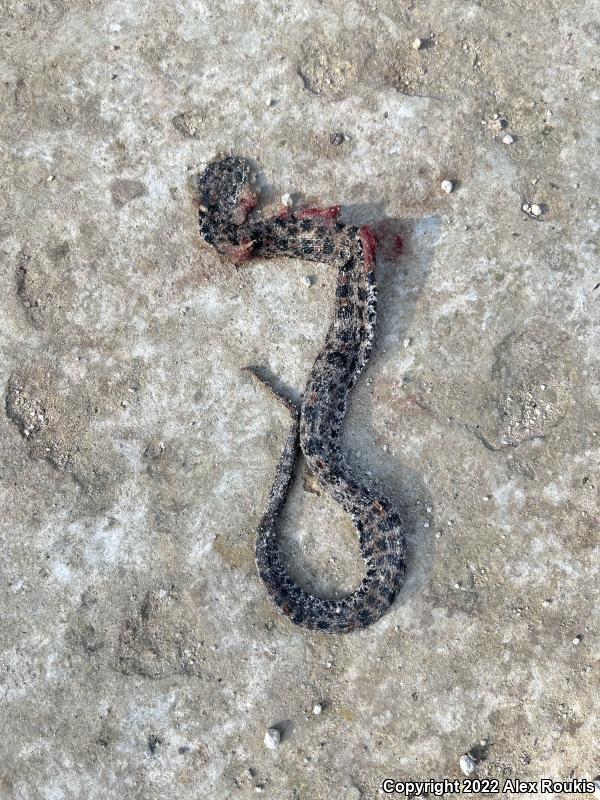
227	195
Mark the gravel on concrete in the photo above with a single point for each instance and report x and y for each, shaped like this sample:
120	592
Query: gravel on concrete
139	655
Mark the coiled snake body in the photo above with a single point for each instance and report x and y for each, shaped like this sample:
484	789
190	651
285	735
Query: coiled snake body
227	195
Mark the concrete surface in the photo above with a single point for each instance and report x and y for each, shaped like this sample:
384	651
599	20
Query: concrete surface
139	655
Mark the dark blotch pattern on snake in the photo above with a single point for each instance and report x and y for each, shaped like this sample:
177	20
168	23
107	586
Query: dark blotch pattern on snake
227	196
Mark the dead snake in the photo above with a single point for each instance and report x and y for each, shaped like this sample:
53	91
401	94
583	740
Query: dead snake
227	196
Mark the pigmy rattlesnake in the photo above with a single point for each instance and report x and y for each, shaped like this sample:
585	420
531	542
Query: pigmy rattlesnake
227	196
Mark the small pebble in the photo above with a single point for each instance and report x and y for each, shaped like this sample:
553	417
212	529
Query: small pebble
508	139
417	44
307	280
447	186
317	708
467	764
577	639
546	603
270	102
407	342
286	199
272	738
533	210
50	178
426	524
336	138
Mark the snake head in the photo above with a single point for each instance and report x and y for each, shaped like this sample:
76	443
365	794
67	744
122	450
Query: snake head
227	192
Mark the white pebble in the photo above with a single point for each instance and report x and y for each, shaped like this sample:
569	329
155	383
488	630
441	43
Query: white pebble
577	639
508	139
286	199
417	44
407	343
467	764
426	524
270	102
272	738
317	708
536	210
447	186
50	178
307	280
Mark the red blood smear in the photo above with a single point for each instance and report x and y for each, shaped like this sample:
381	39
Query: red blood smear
331	213
369	243
236	253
